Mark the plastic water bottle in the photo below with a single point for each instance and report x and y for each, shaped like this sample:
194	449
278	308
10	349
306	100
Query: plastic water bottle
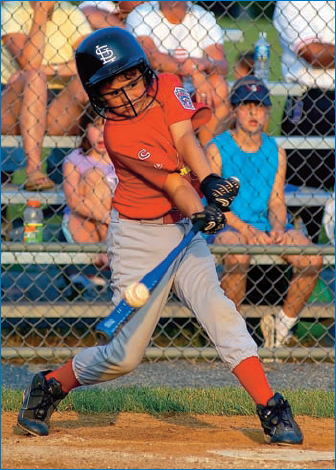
33	222
262	58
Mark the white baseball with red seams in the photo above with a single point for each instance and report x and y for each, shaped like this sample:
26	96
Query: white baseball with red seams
136	294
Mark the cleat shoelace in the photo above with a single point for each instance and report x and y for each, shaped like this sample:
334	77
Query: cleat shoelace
280	412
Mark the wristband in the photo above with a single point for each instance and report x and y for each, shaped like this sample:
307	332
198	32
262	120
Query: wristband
210	178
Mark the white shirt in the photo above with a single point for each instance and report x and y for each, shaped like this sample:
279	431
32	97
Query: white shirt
110	7
197	31
299	23
329	218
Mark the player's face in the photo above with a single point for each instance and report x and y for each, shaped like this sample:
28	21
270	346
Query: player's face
125	94
95	135
251	117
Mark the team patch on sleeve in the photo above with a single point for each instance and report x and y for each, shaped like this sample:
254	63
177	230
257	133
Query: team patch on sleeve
184	98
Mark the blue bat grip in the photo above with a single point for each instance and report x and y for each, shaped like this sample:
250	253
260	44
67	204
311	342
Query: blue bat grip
109	325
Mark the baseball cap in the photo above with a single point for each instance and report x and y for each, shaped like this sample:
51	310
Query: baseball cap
250	88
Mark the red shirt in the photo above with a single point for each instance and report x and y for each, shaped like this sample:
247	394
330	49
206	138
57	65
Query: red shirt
143	153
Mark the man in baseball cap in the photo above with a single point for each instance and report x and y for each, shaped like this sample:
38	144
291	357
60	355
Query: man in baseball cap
250	89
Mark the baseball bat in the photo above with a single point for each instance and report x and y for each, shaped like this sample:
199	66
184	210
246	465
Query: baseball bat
109	325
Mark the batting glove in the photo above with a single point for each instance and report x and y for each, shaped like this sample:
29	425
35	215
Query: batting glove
220	191
213	218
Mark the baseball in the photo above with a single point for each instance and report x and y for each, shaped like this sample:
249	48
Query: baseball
136	294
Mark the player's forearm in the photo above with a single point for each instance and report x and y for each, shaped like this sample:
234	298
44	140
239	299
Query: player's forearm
193	156
183	195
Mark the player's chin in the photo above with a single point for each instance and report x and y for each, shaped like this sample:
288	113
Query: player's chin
129	111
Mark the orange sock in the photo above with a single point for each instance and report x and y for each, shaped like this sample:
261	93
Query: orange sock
65	376
251	375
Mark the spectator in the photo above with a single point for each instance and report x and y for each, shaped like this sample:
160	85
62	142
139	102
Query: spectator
100	14
307	36
244	65
89	184
258	214
42	89
184	38
103	14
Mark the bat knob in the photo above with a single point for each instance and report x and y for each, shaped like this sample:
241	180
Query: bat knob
102	338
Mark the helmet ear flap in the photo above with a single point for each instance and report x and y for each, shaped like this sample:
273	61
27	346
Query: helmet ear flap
148	74
97	102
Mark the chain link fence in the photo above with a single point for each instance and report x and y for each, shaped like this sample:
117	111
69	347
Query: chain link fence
55	292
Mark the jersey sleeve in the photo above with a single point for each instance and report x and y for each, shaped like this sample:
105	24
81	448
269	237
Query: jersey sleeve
179	105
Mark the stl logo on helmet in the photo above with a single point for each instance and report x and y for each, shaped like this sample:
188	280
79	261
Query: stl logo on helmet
106	54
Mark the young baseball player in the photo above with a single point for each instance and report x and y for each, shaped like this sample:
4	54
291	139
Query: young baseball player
149	135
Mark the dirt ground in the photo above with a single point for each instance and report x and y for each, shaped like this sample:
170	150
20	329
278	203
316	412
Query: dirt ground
138	441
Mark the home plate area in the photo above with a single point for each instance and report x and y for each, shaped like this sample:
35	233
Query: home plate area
277	453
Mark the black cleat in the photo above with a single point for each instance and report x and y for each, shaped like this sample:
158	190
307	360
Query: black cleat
278	423
40	400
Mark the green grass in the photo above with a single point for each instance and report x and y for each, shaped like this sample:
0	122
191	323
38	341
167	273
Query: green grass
156	401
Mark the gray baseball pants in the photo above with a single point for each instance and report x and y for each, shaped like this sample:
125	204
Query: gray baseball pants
136	247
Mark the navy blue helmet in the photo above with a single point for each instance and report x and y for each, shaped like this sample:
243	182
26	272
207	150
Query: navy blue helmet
105	54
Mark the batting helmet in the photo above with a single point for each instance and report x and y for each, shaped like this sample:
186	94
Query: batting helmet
250	88
105	54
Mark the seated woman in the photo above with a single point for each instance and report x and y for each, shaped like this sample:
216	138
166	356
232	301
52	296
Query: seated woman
89	184
258	215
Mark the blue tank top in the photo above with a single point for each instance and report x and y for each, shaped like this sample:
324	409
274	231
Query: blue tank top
256	172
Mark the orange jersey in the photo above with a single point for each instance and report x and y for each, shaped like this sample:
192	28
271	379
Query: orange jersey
143	152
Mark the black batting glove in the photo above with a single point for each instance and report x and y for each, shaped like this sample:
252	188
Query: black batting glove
220	191
213	218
